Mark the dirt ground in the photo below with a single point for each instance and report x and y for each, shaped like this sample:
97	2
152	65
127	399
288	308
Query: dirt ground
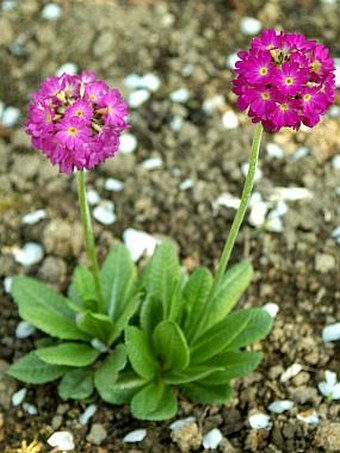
186	44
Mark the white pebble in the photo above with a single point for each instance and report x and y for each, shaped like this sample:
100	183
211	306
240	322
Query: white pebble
19	396
274	150
8	5
227	200
104	213
152	164
62	440
179	424
280	406
331	332
260	421
230	120
330	387
87	414
257	215
212	439
10	116
181	95
30	409
301	152
231	60
258	171
151	82
186	184
135	436
212	104
139	242
290	372
128	143
114	185
8	284
2	109
309	416
336	162
138	98
334	111
176	123
280	210
51	11
274	225
24	329
31	253
34	217
336	234
272	309
290	193
250	26
188	70
132	81
93	197
337	72
67	68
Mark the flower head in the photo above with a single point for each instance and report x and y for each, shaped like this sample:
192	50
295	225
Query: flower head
284	80
76	121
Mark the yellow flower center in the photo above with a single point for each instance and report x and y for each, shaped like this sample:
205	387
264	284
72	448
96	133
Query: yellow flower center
79	113
72	130
289	81
48	117
307	97
263	71
93	97
265	96
316	66
284	107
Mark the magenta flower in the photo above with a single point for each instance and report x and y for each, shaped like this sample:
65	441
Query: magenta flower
284	80
76	121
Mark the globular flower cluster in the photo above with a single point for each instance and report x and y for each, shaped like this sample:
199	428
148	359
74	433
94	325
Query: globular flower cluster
76	120
285	80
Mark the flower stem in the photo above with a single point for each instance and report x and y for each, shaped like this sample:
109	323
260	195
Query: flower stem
89	238
247	189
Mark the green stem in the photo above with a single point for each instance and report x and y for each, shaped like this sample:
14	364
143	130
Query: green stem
89	238
247	189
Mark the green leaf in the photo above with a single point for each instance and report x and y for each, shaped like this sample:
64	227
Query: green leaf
70	354
118	277
190	374
106	375
86	288
154	402
123	389
95	325
139	352
171	347
128	310
32	370
205	394
45	309
76	384
151	314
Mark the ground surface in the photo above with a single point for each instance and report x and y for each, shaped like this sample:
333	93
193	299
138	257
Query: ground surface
185	44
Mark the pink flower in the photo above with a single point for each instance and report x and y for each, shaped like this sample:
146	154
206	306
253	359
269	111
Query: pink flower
76	121
284	80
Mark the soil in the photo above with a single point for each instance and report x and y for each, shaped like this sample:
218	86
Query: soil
185	43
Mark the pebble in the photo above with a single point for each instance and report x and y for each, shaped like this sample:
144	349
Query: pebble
258	171
290	372
2	109
10	116
34	217
230	120
271	309
17	47
301	152
212	439
324	262
30	409
280	406
152	164
309	416
186	184
128	143
328	436
138	98
337	72
19	396
336	234
250	26
104	213
334	111
51	11
97	434
135	436
8	5
87	414
258	212
62	440
231	60
93	197
148	81
331	332
178	424
274	150
24	329
330	387
212	104
274	225
67	68
8	284
260	421
188	437
139	242
114	185
181	95
290	194
227	200
31	253
176	123
336	162
8	386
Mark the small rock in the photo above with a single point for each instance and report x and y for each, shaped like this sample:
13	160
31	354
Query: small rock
309	416
151	82
128	143
51	11
188	437
138	98
24	329
212	104
212	439
30	254
336	162
62	440
227	200
67	68
139	242
328	436
182	422
230	120
301	152
181	95
19	396
290	372
8	5
290	194
271	308
20	139
152	164
7	34
258	172
8	284
53	270
93	197
176	123
34	217
10	116
8	385
97	434
30	409
104	213
250	26
114	185
260	421
257	215
330	387
331	332
274	225
324	263
274	150
336	234
280	406
104	44
87	414
231	60
135	436
186	184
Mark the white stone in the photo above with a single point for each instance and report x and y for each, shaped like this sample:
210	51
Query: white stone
139	243
331	332
231	60
336	234
301	152
151	82
30	409
258	171
8	5
62	440
51	11
212	104
176	123
309	416
31	253
67	68
230	120
250	26
104	213
93	197
2	109
179	424
135	436
19	396
274	225
336	162
152	164
87	414
227	200
186	184
290	372
8	284
34	217
181	95
290	194
114	185
280	406
334	111
272	309
337	72
24	329
132	81
330	387
188	70
10	116
138	98
260	421
274	150
128	143
280	210
212	439
257	215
